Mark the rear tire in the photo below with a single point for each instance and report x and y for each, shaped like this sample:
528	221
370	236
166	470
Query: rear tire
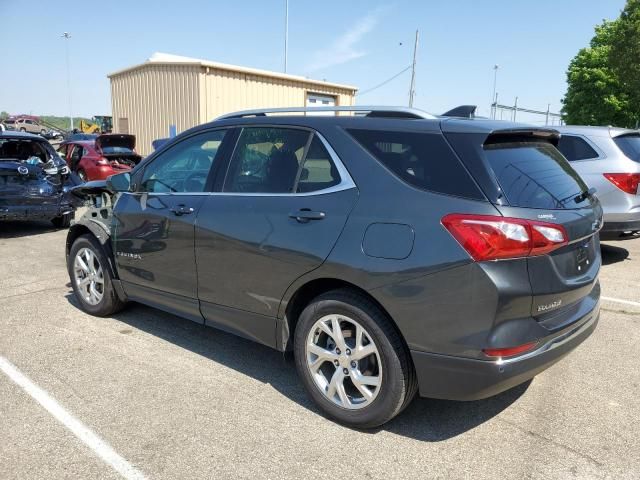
375	387
91	278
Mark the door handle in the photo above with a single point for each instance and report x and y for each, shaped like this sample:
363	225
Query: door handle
305	214
180	210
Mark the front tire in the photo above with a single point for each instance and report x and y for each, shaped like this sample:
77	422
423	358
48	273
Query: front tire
91	278
352	361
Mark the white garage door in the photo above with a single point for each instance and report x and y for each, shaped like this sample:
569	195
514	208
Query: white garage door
314	100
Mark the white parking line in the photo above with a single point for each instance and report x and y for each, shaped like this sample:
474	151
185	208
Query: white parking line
619	300
90	439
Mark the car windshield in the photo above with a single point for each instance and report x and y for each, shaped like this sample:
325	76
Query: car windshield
630	146
536	175
23	150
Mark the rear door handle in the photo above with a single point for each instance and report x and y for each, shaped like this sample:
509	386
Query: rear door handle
180	210
304	215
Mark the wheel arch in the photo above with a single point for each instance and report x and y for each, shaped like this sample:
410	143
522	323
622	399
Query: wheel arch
305	293
104	239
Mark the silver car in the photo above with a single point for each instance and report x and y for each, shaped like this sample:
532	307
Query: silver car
608	159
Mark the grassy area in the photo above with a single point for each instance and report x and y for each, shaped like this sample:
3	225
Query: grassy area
62	122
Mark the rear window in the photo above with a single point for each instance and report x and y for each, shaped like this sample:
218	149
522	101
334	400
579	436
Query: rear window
423	160
535	175
630	146
576	148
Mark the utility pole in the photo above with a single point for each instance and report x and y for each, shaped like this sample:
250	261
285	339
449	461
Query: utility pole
494	100
67	36
286	32
412	88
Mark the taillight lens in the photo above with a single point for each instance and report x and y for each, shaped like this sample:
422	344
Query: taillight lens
627	182
488	237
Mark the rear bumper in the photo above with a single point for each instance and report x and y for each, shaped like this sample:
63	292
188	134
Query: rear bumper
457	378
615	230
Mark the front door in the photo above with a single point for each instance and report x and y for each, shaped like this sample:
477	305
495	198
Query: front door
154	226
283	205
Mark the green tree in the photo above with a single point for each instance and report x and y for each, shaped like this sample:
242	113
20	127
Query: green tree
595	95
624	55
4	115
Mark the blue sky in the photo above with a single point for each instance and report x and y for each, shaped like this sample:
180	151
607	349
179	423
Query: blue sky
360	43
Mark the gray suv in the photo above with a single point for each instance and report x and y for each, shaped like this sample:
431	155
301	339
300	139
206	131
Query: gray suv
392	252
608	159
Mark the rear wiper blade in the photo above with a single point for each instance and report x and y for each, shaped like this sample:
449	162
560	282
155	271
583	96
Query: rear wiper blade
584	195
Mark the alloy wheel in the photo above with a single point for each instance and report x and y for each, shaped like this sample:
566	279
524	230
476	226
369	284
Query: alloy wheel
89	276
344	361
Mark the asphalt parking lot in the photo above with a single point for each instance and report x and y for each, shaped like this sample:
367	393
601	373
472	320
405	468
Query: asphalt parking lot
173	399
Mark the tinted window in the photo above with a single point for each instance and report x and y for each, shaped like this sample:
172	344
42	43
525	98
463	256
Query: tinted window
576	148
266	160
630	146
318	171
535	175
185	166
423	160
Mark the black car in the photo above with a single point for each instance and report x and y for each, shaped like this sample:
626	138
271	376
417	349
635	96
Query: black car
392	252
34	180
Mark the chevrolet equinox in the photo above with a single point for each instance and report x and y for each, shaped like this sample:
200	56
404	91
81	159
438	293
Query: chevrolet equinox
391	251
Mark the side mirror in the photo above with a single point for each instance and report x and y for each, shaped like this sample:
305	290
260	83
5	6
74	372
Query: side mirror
120	182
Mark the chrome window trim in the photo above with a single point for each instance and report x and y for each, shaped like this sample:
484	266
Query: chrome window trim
346	181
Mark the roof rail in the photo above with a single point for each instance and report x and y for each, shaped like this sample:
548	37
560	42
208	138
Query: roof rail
369	111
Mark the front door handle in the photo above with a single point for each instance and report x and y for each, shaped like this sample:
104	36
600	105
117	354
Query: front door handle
305	214
180	210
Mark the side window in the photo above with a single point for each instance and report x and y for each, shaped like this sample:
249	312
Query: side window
266	160
576	148
318	170
76	154
185	166
423	160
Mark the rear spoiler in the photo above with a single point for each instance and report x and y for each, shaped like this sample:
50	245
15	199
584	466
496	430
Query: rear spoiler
522	135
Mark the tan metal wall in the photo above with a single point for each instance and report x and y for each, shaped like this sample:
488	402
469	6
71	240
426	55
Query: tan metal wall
153	97
226	91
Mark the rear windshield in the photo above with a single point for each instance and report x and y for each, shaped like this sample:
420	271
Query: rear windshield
535	175
630	146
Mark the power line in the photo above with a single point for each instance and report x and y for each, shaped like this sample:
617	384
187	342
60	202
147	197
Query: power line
384	83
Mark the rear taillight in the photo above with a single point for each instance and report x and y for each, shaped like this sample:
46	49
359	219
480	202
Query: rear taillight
488	237
509	351
627	182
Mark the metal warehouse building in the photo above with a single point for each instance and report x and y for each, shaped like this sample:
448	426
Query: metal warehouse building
166	90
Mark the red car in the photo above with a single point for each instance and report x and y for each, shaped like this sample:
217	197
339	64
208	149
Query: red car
97	157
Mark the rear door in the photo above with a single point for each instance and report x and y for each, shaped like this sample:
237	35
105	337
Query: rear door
537	183
284	202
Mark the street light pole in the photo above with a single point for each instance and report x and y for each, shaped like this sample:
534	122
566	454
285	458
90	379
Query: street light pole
412	88
286	33
67	36
494	100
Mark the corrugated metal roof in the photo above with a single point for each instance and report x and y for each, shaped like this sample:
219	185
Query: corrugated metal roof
169	59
